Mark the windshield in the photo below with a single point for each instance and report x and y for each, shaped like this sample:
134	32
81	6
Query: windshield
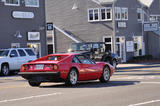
81	47
4	53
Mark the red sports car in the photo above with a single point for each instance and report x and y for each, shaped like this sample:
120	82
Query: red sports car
67	67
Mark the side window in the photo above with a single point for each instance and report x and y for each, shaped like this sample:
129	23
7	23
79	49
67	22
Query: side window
21	52
75	60
13	53
84	60
30	52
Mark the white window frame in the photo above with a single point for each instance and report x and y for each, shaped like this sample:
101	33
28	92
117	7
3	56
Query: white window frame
117	11
9	4
156	18
139	11
125	12
106	19
32	5
111	43
93	9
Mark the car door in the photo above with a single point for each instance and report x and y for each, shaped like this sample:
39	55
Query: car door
13	60
88	67
22	59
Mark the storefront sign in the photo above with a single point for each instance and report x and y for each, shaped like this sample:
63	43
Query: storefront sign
33	35
122	25
20	14
151	26
130	46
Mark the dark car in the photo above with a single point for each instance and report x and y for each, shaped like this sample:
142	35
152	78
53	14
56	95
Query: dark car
96	51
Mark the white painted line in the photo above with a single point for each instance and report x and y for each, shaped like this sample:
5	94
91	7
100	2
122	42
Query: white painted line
30	97
144	103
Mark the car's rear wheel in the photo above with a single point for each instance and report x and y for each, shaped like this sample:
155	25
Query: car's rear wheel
72	78
5	69
34	83
105	75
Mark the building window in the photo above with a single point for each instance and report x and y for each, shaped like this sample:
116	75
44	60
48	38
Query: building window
106	14
118	13
32	3
12	2
154	18
124	13
139	14
102	14
93	14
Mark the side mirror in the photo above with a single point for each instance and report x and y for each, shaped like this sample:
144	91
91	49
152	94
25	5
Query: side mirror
12	55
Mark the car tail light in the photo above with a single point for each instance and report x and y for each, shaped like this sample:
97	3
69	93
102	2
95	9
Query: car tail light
51	67
25	67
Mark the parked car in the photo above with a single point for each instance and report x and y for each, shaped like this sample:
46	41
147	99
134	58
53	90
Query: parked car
97	51
11	59
67	67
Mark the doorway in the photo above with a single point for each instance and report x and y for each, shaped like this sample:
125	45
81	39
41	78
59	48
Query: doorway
120	48
36	47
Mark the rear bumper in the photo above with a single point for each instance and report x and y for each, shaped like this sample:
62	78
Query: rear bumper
42	76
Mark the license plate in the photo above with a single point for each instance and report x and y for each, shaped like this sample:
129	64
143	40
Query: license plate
39	67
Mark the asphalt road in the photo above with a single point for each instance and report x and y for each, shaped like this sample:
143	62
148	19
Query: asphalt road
131	85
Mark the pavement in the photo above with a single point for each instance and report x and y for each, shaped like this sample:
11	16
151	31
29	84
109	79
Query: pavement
131	85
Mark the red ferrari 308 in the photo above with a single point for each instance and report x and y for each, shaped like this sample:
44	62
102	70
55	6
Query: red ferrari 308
67	67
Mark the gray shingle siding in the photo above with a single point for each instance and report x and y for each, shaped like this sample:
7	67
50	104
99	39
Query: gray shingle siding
60	12
10	25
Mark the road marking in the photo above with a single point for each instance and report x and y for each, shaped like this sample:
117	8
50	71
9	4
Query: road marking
30	97
144	103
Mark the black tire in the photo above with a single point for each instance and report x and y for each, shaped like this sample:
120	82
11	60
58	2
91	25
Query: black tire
34	83
72	78
105	75
5	70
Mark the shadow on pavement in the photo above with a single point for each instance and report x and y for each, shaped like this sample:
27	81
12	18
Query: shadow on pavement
94	84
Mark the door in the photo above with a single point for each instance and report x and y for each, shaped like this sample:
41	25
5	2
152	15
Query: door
108	43
120	48
89	67
137	45
23	58
13	60
36	47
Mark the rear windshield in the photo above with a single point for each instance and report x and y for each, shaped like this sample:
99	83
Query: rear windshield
56	58
30	52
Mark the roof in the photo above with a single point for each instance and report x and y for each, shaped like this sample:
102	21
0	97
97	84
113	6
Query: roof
103	1
144	2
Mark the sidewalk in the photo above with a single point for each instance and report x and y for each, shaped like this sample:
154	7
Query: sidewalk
138	65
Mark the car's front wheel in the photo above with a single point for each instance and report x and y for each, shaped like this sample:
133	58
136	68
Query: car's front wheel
105	75
34	83
5	69
72	78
